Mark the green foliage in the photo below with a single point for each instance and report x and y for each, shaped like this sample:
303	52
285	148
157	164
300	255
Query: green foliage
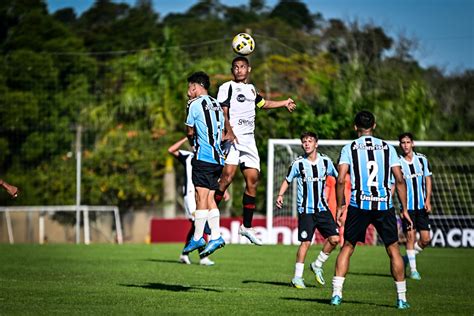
56	73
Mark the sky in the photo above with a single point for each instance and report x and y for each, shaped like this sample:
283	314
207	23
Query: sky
443	28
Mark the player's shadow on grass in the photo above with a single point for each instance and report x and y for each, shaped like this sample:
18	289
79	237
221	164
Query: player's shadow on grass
382	275
170	287
327	301
163	261
285	284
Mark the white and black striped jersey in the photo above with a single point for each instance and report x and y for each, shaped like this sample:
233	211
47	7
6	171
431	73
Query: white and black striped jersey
241	99
185	157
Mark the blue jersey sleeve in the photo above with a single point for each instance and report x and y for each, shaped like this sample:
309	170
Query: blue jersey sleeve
293	172
427	167
393	157
345	157
191	115
331	169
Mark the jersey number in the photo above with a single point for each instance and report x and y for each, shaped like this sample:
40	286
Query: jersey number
373	168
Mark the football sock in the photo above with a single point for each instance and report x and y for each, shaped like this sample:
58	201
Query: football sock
213	221
218	196
337	284
401	290
321	259
299	268
200	218
418	249
411	255
249	206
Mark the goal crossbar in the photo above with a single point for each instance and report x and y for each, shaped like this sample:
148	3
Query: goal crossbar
42	209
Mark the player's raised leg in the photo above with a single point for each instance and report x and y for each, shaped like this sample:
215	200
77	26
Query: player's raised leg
317	265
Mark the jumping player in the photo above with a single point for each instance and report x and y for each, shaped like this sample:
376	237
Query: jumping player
205	124
238	99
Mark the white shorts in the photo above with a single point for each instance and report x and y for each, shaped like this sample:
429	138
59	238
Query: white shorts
244	153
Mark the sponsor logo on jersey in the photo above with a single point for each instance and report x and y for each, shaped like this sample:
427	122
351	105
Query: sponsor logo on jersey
411	176
241	98
246	122
371	198
365	147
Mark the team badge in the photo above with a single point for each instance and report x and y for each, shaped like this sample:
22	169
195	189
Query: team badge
304	234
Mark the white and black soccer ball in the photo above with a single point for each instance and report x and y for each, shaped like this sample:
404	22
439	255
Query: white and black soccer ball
243	44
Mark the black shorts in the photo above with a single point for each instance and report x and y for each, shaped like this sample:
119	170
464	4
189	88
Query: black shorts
357	221
323	221
206	175
420	219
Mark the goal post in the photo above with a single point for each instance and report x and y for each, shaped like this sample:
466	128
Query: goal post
42	210
452	163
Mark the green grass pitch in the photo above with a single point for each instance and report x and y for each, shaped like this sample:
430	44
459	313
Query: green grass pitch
146	279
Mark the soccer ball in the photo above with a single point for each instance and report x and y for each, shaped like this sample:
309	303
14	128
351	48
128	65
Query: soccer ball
243	44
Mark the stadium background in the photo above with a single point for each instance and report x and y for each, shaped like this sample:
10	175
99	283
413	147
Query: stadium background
119	72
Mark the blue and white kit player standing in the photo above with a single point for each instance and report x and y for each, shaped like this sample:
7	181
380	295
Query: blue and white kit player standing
371	163
311	171
205	123
417	174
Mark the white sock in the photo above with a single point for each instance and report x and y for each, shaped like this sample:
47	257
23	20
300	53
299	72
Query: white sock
401	290
200	218
411	255
321	259
418	249
337	284
213	221
299	268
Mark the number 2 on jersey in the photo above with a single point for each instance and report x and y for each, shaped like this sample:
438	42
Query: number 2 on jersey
372	168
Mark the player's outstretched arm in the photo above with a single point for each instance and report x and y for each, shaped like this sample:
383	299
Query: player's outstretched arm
289	104
174	149
281	192
402	193
11	189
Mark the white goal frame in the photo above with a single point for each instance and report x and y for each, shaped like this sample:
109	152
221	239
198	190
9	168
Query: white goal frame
328	142
42	209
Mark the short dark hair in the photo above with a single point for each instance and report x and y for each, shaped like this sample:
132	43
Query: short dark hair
240	58
200	78
405	134
308	134
364	119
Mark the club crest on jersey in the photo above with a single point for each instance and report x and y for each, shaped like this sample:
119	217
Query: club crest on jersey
241	98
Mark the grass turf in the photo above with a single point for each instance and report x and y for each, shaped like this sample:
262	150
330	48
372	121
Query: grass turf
146	279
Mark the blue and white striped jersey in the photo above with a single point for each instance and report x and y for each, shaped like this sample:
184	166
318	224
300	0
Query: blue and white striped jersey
206	116
414	173
370	161
311	180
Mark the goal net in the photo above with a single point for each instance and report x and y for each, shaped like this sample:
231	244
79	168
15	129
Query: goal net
452	163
